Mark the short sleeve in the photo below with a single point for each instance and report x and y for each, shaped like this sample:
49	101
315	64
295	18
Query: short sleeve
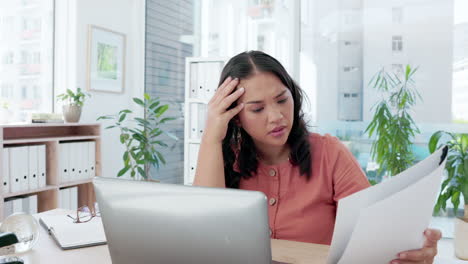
347	175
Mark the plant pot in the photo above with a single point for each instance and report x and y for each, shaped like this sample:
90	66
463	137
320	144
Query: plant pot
71	113
461	238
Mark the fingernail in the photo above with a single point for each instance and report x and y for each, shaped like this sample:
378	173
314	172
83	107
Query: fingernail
428	232
395	262
241	89
402	256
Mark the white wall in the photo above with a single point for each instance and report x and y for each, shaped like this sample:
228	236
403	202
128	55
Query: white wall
127	17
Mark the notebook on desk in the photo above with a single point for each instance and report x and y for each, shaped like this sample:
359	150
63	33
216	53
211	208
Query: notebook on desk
70	235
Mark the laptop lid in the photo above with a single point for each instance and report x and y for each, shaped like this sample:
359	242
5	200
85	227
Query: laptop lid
148	222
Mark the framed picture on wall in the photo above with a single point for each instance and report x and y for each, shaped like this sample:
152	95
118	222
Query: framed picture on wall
106	60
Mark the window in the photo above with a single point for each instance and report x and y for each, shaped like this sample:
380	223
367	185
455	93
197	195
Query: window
397	43
397	69
350	68
397	15
26	56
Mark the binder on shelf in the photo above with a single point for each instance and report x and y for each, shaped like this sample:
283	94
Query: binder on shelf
84	160
213	70
193	156
15	170
193	120
201	119
25	204
64	200
41	155
6	171
73	198
73	163
201	76
24	179
17	205
32	201
7	208
19	169
64	162
91	159
33	174
193	80
79	160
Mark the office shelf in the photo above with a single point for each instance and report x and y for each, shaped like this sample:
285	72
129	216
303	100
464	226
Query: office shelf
51	135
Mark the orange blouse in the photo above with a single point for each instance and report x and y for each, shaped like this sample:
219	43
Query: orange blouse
304	210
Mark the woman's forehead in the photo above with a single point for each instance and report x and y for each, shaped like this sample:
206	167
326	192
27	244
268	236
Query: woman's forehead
261	82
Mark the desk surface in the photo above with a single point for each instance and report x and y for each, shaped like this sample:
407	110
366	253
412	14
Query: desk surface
46	251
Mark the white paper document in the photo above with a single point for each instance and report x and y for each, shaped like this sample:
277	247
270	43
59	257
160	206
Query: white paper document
377	223
70	235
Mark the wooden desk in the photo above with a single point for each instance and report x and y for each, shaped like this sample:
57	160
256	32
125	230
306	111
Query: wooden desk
46	251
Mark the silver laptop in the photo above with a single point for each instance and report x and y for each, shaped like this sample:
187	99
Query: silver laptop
148	222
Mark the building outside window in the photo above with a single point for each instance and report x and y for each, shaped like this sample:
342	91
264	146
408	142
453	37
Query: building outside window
397	43
26	48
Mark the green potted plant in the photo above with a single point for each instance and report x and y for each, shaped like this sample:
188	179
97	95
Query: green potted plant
455	185
392	124
73	104
141	136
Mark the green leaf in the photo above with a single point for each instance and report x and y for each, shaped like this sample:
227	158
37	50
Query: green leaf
142	172
159	143
167	119
123	171
455	201
109	127
138	101
147	96
104	117
160	156
126	111
152	106
434	140
160	110
169	134
122	117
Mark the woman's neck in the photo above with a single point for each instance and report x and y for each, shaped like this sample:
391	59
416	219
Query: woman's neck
273	155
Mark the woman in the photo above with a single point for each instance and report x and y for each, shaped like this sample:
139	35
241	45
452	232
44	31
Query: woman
256	139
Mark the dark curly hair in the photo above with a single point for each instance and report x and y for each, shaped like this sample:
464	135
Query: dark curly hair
238	143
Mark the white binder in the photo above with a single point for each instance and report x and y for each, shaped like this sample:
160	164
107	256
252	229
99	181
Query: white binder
74	198
79	161
41	165
201	119
25	204
64	201
201	76
193	120
19	169
15	170
194	80
73	164
91	159
213	71
7	208
32	201
84	160
33	174
6	171
17	205
24	179
64	162
193	156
